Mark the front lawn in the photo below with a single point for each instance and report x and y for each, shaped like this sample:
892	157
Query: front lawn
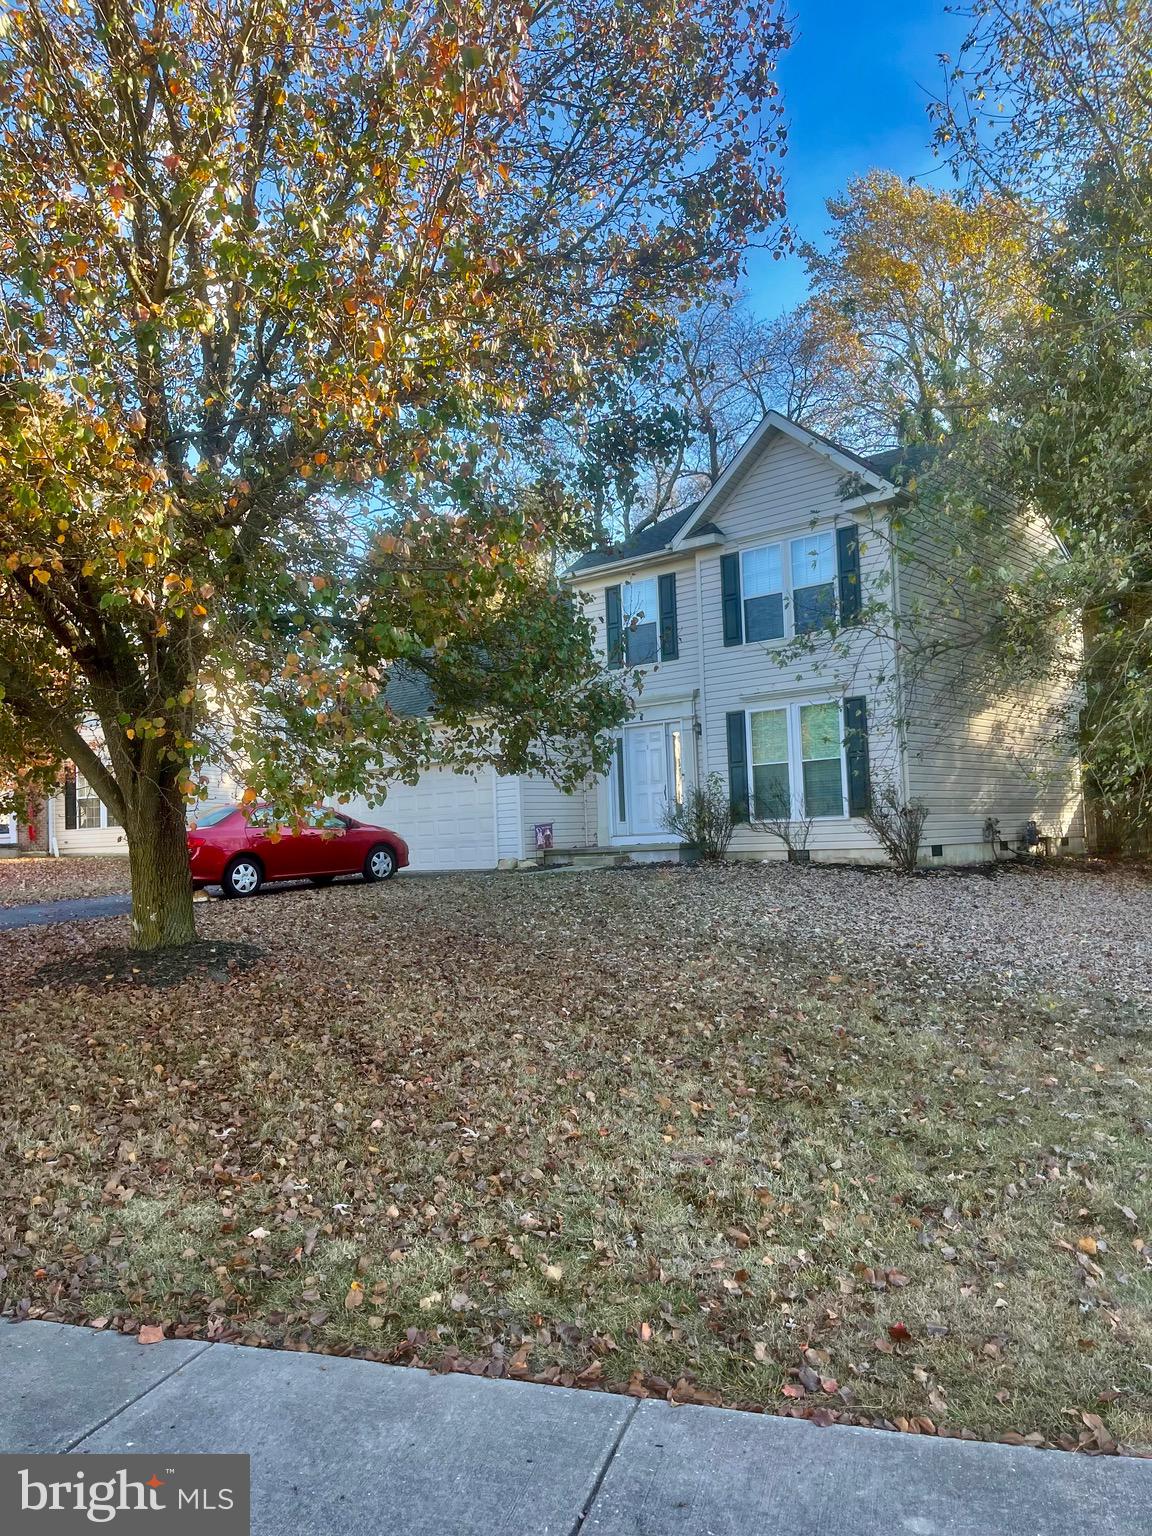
816	1140
35	879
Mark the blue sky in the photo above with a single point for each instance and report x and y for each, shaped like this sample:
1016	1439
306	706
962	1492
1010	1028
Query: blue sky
856	85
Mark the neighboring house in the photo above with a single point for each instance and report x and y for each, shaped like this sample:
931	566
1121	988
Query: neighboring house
24	835
703	603
80	822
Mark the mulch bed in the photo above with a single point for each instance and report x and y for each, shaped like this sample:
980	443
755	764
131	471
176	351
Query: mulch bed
150	968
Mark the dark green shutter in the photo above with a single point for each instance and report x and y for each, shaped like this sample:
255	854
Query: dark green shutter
856	756
848	566
738	764
614	626
669	639
69	799
621	801
730	599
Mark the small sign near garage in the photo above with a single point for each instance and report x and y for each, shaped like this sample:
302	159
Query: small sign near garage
543	830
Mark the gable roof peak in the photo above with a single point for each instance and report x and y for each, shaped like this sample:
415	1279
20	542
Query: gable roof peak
772	426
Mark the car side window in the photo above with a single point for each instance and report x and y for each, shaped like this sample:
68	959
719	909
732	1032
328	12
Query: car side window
324	820
262	819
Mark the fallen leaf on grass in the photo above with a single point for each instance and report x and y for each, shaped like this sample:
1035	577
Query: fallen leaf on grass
1100	1436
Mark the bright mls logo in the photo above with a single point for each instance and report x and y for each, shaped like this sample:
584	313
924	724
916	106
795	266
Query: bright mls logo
60	1495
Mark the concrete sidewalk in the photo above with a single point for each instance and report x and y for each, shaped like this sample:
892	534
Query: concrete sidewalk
349	1448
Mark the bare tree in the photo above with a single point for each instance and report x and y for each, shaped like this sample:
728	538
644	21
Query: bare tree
704	818
776	817
663	441
897	825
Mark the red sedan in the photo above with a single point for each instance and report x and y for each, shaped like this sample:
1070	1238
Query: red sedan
238	849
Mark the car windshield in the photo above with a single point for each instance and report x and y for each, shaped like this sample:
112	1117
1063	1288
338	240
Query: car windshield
210	817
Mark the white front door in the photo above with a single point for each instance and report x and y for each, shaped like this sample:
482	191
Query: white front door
646	779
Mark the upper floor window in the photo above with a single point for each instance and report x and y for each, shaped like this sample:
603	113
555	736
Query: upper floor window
641	613
796	587
813	582
763	585
640	621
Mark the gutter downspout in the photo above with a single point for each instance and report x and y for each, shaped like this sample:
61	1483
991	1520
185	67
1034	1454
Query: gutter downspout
902	702
50	813
700	692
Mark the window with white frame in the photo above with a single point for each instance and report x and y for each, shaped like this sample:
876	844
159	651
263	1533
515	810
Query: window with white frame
91	812
771	779
797	760
640	605
676	751
762	583
804	583
822	758
813	582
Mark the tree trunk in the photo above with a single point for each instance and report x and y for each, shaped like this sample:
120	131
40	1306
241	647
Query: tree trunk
158	859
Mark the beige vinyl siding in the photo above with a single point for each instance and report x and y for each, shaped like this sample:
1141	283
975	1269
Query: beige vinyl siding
220	784
975	751
786	485
573	818
998	763
86	840
509	819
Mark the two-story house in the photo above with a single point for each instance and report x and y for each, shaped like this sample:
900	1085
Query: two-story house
724	611
766	623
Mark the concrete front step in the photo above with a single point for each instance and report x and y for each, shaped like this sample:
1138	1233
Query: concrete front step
610	857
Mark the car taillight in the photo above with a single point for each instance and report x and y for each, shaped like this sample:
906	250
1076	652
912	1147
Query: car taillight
196	842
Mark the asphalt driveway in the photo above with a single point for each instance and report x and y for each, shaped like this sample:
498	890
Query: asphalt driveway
81	909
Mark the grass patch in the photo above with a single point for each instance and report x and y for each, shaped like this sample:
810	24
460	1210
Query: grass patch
618	1128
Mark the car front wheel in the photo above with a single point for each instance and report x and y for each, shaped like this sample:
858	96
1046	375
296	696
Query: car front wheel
380	863
243	877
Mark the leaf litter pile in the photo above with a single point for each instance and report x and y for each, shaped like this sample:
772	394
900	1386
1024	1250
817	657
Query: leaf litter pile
716	1136
30	879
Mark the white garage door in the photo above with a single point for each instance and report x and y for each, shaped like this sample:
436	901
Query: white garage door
448	819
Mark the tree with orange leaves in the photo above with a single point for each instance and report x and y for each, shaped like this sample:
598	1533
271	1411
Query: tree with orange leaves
279	277
930	283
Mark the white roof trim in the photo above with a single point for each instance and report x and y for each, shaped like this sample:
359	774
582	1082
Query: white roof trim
774	424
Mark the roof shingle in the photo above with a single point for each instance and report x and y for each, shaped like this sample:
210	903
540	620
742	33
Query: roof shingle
649	541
